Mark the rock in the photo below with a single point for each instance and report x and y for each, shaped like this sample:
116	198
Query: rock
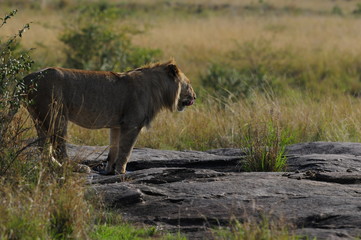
194	191
118	195
326	161
338	148
144	158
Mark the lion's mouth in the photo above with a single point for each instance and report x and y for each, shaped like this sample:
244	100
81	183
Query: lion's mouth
188	102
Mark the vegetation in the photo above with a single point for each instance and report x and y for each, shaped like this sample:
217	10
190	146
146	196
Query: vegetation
38	201
253	230
122	232
13	63
110	226
265	148
94	43
268	73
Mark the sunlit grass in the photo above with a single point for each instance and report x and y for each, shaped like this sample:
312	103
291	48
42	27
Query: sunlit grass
124	231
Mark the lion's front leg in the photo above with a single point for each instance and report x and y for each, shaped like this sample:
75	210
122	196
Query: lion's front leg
113	151
127	140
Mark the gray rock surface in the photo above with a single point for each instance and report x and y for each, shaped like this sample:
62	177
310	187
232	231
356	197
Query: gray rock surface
193	192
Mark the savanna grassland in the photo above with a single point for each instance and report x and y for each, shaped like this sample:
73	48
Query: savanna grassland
298	61
267	73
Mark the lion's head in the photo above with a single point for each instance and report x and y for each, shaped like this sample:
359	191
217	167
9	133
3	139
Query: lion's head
185	95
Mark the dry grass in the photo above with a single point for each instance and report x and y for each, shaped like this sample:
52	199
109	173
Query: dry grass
198	41
48	210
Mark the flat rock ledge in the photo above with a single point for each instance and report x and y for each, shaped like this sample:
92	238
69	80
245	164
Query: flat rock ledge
194	192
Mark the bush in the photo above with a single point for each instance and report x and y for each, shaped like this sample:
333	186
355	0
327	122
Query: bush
229	82
94	43
357	11
253	66
336	10
14	63
259	66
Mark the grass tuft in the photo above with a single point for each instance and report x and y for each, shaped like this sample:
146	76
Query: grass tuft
265	146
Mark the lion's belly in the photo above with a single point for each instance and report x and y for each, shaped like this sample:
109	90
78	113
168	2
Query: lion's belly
93	110
93	119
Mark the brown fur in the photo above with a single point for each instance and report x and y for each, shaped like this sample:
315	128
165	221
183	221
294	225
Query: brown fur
123	102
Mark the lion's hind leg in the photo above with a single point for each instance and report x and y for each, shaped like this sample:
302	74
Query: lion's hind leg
58	133
51	125
42	134
41	128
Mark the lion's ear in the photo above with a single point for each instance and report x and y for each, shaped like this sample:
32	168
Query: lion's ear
173	70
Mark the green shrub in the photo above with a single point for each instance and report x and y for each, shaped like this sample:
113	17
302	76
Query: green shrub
258	66
253	66
93	42
337	10
230	82
41	4
357	11
14	63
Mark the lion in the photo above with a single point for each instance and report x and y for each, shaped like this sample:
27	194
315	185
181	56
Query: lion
123	102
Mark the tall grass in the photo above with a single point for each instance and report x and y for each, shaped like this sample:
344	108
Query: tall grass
39	200
45	210
209	124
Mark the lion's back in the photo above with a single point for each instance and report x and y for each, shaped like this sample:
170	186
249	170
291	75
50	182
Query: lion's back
92	99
